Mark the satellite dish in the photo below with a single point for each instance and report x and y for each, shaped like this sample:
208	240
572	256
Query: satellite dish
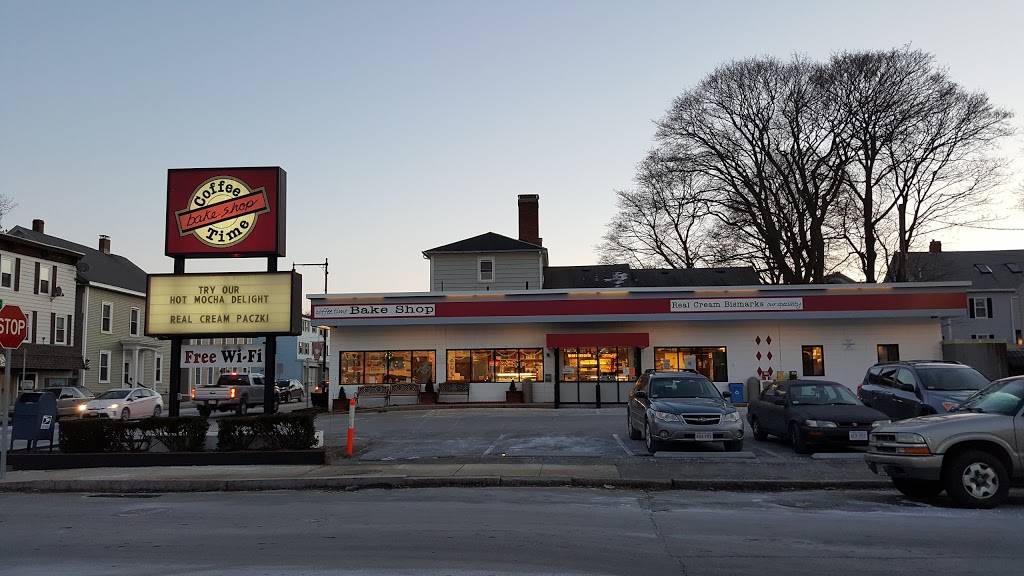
57	292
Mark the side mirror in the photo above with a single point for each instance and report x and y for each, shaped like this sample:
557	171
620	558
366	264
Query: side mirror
907	387
726	395
639	394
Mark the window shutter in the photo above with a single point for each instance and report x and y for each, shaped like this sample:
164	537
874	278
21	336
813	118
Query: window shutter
970	307
988	304
17	273
53	328
35	323
68	332
35	288
53	280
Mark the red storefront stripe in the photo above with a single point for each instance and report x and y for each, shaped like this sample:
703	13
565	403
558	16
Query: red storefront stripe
599	339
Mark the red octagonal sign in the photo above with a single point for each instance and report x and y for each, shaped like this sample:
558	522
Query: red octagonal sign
13	327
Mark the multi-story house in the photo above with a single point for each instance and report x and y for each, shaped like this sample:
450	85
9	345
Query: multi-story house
303	357
39	277
109	330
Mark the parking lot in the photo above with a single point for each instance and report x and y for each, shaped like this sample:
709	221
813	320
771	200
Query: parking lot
522	432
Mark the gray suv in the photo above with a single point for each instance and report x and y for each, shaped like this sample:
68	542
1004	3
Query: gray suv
973	453
918	387
681	407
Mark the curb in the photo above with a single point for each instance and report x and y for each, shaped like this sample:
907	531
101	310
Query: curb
350	483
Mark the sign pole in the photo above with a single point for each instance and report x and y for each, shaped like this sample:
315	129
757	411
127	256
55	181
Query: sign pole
270	361
174	409
4	403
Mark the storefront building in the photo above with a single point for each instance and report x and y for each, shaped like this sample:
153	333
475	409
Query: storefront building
497	313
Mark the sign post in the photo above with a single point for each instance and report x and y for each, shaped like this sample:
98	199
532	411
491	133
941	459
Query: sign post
13	331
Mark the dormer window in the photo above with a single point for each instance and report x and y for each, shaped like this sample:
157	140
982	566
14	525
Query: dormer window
485	269
983	268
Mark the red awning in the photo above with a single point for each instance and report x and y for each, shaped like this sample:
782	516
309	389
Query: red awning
599	339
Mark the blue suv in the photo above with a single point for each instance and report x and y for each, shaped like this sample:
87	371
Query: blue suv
907	389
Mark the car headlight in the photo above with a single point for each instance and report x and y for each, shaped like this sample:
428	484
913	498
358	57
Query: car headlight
878	423
81	407
667	417
731	417
819	424
950	406
909	438
113	407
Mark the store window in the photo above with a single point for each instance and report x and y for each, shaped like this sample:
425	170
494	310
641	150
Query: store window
387	367
711	361
497	365
593	364
888	352
814	360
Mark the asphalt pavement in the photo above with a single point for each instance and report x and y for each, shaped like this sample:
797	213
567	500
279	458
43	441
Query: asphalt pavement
503	531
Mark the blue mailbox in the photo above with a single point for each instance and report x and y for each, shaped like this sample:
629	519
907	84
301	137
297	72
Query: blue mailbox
35	418
737	393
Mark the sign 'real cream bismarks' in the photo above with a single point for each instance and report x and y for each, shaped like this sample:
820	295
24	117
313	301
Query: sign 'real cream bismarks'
222	356
342	311
223	304
736	304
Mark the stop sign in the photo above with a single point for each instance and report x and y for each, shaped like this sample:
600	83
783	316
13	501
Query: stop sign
13	327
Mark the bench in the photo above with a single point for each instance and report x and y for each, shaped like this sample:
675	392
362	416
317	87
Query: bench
404	394
453	392
372	395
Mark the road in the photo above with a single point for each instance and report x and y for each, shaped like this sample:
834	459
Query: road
503	531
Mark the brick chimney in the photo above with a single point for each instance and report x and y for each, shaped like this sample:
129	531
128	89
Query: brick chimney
104	243
37	226
935	246
529	226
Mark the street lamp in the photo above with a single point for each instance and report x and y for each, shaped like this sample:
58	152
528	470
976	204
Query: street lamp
323	355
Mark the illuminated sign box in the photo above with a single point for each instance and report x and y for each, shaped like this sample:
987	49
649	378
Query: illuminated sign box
209	305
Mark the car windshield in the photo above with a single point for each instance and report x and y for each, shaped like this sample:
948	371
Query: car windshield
113	395
55	391
1003	397
683	388
952	378
821	395
282	382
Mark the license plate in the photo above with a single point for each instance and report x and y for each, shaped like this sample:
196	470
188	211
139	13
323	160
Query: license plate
703	436
859	435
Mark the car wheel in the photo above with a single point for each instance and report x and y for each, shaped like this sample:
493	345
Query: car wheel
205	411
976	479
302	397
634	434
918	489
734	446
759	433
243	408
126	414
797	439
156	411
650	442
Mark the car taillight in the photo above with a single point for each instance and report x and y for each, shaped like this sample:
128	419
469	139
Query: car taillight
232	393
860	387
192	393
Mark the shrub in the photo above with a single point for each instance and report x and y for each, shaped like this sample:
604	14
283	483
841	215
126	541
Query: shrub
271	432
185	434
78	436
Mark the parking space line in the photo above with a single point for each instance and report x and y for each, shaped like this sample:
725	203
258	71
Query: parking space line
623	445
493	445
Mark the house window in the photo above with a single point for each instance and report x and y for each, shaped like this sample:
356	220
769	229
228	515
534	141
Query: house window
888	352
814	360
979	307
983	336
133	322
387	367
104	367
44	280
6	272
158	369
485	269
60	330
711	361
107	317
496	365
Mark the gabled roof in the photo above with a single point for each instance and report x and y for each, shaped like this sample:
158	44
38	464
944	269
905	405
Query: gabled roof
488	242
968	266
95	266
622	276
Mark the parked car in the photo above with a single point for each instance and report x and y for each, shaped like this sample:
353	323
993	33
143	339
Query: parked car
288	390
918	387
69	398
811	414
124	403
681	407
973	453
232	391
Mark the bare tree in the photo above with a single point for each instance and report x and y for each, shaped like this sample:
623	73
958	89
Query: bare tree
7	205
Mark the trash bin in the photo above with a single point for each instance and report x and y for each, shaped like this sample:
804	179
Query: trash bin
35	418
737	394
753	386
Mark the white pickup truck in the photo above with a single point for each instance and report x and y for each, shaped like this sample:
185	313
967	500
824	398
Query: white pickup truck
231	392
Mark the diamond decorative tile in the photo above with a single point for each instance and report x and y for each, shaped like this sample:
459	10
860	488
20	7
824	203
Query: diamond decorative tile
758	355
768	340
760	372
769	355
758	340
770	371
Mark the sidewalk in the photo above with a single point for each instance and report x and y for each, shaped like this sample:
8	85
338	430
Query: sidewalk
645	473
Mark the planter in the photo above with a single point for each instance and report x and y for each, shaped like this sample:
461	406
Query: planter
428	397
514	397
339	404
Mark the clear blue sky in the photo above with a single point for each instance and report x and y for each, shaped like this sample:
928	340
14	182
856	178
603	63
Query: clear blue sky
405	125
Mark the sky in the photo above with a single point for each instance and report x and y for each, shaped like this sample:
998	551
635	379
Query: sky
408	125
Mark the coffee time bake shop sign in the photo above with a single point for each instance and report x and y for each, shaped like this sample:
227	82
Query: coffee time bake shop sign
225	212
208	305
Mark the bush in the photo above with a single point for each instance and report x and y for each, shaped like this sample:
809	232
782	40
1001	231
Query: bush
185	434
272	432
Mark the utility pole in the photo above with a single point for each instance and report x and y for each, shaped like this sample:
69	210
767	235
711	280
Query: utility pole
323	354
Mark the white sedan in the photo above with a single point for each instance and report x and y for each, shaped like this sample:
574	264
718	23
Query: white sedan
124	403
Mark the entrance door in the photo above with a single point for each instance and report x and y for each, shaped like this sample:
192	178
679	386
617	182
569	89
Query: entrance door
583	369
